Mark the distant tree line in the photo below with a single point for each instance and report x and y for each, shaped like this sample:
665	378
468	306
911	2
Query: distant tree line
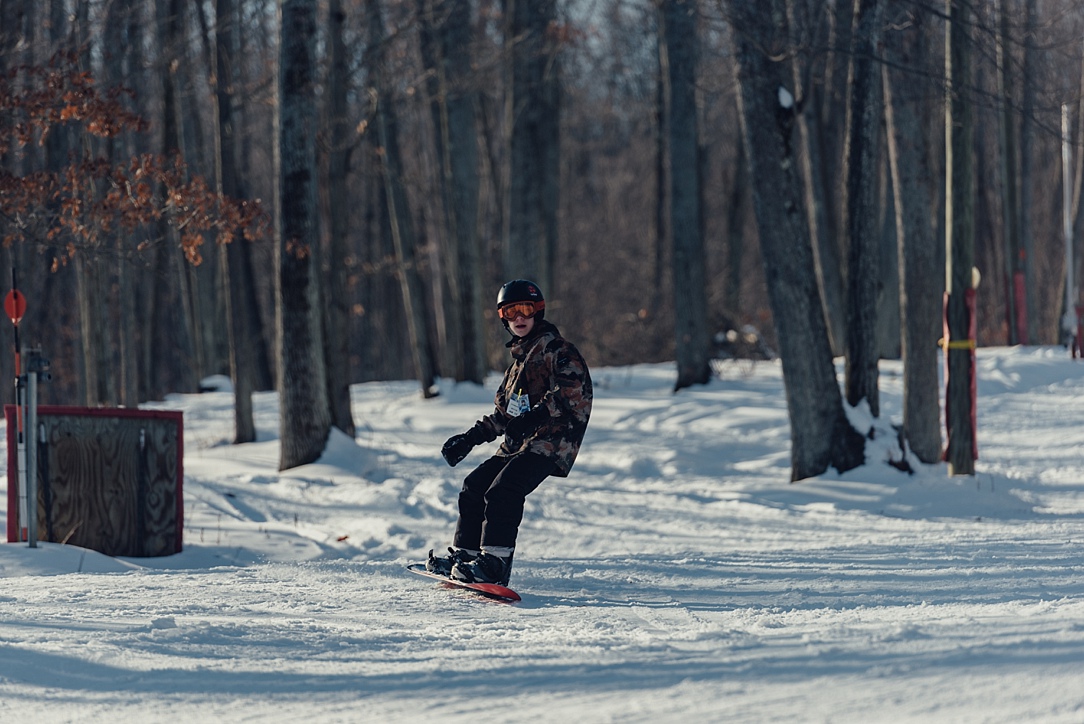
667	170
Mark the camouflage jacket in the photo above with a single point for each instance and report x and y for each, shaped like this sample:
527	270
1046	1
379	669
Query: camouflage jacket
546	370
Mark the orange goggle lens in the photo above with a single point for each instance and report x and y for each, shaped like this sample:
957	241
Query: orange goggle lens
520	309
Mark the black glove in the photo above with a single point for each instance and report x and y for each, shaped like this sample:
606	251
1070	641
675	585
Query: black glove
520	427
458	446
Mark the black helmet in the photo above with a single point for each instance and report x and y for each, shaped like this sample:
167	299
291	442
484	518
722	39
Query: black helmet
522	290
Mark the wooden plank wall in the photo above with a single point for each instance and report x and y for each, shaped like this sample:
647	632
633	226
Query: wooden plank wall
111	483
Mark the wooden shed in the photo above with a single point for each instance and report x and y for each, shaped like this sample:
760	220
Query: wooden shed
109	479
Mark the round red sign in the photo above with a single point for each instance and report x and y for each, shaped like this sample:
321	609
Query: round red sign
15	305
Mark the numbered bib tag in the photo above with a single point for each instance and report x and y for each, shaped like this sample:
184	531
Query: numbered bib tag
518	403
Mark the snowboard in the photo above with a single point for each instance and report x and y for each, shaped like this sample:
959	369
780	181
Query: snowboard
492	590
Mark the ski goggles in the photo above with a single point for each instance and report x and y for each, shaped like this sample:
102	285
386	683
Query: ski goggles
520	309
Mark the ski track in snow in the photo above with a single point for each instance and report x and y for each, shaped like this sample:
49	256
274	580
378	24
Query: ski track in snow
674	575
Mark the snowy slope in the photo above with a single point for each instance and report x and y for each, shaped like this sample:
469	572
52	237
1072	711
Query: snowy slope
674	576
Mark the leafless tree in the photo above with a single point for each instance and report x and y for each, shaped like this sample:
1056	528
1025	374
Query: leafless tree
960	226
921	283
821	435
861	202
305	419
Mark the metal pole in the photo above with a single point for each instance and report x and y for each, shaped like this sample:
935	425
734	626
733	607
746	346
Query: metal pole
20	412
1068	321
32	456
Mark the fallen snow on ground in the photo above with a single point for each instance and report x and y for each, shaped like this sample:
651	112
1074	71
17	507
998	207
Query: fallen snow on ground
675	575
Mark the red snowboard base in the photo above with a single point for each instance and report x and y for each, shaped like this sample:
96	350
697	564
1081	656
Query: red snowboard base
493	590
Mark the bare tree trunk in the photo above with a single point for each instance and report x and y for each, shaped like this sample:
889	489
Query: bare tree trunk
532	132
91	326
826	256
549	141
98	279
9	40
1077	182
1078	179
305	419
462	150
337	304
1029	86
920	283
226	49
1016	315
402	226
94	333
171	361
188	131
123	41
58	145
213	276
446	50
690	297
863	231
960	251
663	237
889	333
432	15
735	241
264	365
386	355
206	281
821	435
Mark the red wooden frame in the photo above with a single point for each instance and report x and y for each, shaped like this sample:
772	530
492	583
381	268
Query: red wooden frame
13	529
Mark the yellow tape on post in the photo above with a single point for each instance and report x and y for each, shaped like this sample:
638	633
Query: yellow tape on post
959	344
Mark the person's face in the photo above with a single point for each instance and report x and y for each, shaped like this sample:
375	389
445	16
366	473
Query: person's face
521	326
520	316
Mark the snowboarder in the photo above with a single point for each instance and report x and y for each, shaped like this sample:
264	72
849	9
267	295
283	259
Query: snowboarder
542	408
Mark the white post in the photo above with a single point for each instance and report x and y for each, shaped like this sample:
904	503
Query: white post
32	456
20	408
1068	321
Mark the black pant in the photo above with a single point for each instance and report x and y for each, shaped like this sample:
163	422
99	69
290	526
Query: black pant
491	502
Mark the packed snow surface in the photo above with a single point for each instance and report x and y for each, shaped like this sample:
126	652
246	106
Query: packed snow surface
675	575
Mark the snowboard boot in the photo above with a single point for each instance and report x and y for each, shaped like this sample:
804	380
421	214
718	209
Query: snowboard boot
442	565
486	568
